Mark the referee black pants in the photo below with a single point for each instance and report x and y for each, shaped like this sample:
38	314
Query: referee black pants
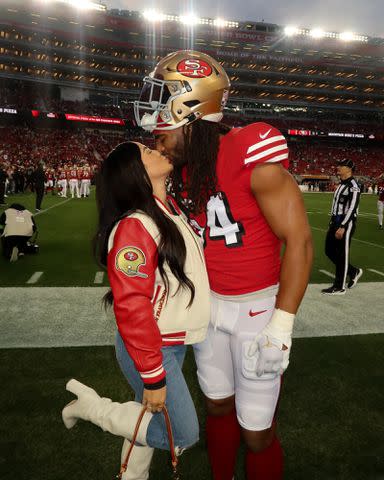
338	252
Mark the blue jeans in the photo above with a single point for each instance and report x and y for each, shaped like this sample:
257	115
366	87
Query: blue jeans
185	425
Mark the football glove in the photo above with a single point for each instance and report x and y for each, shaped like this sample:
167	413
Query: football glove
273	344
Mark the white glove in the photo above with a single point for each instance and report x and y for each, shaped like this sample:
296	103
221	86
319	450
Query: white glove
269	345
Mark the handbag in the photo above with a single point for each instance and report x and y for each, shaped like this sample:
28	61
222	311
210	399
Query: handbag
175	473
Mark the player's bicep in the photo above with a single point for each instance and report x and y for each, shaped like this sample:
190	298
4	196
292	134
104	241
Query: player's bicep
280	201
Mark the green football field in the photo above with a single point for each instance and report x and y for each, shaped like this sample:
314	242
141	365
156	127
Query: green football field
67	225
331	419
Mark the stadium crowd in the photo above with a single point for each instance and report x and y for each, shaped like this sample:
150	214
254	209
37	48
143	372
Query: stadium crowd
23	148
318	159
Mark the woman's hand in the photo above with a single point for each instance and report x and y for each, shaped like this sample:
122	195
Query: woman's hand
154	400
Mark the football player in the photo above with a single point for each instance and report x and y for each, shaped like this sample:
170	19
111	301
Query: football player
49	184
74	181
236	186
380	200
85	182
62	181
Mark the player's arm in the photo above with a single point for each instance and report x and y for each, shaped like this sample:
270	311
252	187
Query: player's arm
282	205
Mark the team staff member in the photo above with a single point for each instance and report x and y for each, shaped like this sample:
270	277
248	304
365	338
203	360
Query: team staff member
380	201
17	226
240	193
160	293
342	226
39	180
3	178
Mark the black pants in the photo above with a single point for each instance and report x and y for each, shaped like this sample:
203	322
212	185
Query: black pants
338	252
2	192
39	196
18	241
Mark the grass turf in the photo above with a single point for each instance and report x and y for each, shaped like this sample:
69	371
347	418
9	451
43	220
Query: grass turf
330	418
65	233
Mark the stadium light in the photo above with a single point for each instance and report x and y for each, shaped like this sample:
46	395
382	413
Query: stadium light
220	23
347	36
189	19
290	31
80	4
317	33
153	16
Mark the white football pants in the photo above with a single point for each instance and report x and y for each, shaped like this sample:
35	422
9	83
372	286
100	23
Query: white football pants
223	365
74	188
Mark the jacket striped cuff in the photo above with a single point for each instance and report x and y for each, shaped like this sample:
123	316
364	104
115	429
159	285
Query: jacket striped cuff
153	376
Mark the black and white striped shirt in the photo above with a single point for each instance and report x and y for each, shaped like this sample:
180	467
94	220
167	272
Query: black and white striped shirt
345	205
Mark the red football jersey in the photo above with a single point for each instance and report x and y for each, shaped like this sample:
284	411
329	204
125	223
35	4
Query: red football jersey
73	175
380	191
242	252
86	175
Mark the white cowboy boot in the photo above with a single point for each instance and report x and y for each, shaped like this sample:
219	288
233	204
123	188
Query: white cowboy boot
117	418
139	461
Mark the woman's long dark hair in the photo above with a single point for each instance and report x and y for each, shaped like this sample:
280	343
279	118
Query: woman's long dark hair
123	186
201	147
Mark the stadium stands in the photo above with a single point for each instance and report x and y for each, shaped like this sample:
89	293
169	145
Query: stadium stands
318	159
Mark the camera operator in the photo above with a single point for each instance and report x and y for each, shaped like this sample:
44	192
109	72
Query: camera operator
17	226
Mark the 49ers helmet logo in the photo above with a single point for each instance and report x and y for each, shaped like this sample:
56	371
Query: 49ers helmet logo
194	68
129	260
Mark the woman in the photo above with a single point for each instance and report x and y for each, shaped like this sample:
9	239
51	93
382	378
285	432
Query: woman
160	295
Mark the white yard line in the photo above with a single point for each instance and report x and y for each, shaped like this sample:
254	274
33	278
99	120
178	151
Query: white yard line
329	274
376	271
35	278
99	277
353	239
53	206
370	214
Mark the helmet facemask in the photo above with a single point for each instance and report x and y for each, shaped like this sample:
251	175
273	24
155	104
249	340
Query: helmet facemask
153	109
184	86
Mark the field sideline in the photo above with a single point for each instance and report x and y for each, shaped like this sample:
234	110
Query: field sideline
331	412
66	228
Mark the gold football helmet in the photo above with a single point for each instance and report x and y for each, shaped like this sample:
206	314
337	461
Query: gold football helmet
129	260
185	86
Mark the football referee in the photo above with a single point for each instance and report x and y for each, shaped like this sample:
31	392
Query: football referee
342	226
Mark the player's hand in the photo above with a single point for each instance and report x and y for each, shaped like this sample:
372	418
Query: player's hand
340	233
273	356
273	344
154	400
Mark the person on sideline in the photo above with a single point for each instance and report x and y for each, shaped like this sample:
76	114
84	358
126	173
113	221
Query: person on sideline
39	180
344	211
239	194
17	226
3	178
160	295
380	201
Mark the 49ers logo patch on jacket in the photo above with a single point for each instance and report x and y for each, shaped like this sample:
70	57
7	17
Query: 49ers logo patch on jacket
129	260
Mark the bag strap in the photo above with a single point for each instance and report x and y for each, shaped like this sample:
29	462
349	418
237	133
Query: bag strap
170	438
